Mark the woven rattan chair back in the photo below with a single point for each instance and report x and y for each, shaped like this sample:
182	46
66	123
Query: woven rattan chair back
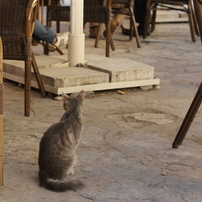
94	11
12	29
180	5
99	11
128	4
16	28
58	13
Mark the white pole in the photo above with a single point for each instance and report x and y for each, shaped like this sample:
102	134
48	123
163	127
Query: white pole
76	36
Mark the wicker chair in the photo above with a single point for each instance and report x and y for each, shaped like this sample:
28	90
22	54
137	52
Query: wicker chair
180	5
40	17
94	11
133	27
43	3
58	13
128	5
99	12
1	114
16	27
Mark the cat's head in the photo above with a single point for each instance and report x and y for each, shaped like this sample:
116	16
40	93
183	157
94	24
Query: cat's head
73	103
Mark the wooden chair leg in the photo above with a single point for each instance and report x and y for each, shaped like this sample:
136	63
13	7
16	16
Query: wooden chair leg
59	50
195	21
45	49
98	35
147	18
38	76
58	26
108	33
27	96
1	114
111	42
191	23
153	18
1	128
48	23
135	27
188	118
131	29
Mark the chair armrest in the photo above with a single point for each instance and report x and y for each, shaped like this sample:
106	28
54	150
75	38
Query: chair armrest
31	16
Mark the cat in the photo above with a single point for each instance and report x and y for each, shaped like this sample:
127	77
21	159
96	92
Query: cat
58	146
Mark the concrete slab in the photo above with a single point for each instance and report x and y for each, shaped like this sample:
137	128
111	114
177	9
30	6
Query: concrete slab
101	73
118	73
121	69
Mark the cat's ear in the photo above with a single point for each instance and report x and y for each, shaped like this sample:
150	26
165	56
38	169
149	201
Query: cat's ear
64	96
81	95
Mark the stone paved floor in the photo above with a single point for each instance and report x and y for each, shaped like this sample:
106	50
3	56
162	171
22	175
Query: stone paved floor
125	153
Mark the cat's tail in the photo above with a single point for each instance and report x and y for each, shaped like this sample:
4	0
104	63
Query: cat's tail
59	185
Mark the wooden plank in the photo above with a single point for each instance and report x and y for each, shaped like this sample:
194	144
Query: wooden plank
1	115
108	86
1	135
1	62
1	152
1	172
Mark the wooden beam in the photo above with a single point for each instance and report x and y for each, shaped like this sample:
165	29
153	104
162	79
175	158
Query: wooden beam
1	114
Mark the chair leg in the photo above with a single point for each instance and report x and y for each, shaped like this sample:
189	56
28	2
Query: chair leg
58	26
1	115
45	49
198	15
147	18
188	118
98	35
135	27
191	22
153	19
111	41
27	93
108	33
48	23
59	50
38	76
194	20
131	29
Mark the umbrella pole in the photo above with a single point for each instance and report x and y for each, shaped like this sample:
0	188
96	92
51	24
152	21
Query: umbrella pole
76	36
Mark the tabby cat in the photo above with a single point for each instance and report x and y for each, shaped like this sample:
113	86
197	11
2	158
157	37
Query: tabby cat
58	147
